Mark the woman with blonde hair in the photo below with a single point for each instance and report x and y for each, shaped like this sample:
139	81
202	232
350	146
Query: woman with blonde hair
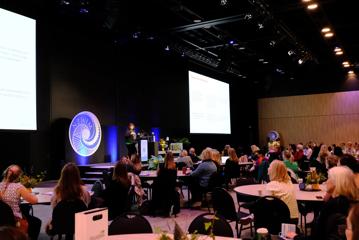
281	187
11	192
343	192
216	157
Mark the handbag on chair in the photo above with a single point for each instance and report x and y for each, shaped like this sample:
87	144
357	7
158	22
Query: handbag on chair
22	224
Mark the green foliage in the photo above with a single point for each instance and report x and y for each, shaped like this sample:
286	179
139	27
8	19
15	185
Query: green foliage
31	180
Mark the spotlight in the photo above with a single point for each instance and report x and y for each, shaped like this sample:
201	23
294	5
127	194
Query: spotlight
339	53
272	43
260	25
231	42
300	61
84	10
337	49
242	48
265	62
306	1
325	30
351	72
345	63
291	52
224	2
329	35
167	48
312	6
261	60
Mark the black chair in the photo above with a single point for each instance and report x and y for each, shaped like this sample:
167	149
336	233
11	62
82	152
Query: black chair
129	223
223	205
63	218
7	216
270	212
220	226
213	182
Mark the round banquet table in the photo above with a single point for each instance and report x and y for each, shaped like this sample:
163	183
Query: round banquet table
152	174
152	236
259	190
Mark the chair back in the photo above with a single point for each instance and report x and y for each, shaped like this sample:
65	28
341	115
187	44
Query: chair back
220	227
7	216
180	165
63	216
128	224
270	212
97	188
244	197
223	204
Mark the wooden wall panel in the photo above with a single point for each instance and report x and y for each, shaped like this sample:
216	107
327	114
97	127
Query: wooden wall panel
328	118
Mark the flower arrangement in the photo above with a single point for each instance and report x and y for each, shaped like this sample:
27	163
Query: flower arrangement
313	179
30	181
163	144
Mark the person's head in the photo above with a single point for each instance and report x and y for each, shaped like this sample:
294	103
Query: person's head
349	161
135	159
120	174
332	161
254	148
131	126
184	153
323	149
169	160
12	233
192	151
232	154
299	147
69	184
349	144
352	231
206	154
277	171
12	173
338	151
287	155
341	183
216	156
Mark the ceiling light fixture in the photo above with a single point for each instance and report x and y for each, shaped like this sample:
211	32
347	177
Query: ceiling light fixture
312	6
345	63
339	53
306	1
300	61
326	29
329	35
337	49
350	72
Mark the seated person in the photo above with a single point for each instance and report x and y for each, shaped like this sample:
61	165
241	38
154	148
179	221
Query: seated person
201	176
261	167
281	187
192	154
353	164
136	164
184	158
289	162
11	192
164	194
116	196
343	192
231	169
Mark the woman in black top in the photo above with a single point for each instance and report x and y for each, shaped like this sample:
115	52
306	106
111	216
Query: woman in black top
164	194
116	195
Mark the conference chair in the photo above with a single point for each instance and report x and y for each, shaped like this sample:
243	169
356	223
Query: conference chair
129	223
220	226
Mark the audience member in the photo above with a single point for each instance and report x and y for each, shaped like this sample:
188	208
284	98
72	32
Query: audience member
332	161
343	192
116	196
164	194
281	187
193	155
136	164
11	192
201	176
184	158
231	169
216	157
353	164
225	150
289	161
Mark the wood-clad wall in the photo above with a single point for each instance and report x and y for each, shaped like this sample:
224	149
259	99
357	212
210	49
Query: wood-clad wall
329	118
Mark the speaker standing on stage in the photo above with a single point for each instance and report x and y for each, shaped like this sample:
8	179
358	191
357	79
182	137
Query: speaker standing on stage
130	139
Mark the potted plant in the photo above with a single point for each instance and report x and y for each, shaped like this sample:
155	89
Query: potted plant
31	180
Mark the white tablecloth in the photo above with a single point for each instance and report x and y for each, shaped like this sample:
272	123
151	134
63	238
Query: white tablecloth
152	236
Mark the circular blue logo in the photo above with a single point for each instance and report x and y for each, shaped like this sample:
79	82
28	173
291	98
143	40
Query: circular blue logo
85	133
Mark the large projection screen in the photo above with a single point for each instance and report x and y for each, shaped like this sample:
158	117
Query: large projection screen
17	71
209	106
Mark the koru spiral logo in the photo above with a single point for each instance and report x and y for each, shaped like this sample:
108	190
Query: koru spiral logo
85	133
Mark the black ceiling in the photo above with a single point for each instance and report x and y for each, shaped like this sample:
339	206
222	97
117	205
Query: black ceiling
246	38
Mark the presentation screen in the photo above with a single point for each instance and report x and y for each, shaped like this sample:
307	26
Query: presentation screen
17	71
209	107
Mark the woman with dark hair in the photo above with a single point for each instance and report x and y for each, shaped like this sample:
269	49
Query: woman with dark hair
352	230
70	186
136	164
11	192
164	194
353	164
117	194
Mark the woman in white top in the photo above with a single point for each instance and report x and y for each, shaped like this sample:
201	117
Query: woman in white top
281	187
11	192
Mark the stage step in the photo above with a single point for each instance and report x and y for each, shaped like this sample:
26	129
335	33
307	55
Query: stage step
90	180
